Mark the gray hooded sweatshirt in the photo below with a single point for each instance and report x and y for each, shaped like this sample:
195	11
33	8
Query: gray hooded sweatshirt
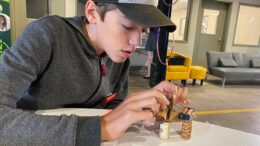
52	65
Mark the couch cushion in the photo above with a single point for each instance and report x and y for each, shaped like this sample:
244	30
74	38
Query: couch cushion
248	57
177	68
213	58
238	57
227	62
256	63
246	73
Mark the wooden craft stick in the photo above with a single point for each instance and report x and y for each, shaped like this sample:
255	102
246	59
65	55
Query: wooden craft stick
185	110
163	113
190	111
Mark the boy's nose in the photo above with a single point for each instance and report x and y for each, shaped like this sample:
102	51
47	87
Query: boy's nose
136	39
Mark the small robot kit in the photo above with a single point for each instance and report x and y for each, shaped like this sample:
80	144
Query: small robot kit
170	115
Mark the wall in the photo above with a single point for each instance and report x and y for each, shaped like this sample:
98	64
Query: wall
187	47
71	8
58	7
177	16
231	31
65	8
248	17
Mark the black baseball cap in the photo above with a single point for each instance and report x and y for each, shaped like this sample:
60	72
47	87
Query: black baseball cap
143	12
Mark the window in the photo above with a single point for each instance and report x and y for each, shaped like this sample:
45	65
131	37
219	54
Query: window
209	21
180	16
247	28
37	8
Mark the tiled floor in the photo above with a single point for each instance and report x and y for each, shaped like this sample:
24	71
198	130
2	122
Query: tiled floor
237	94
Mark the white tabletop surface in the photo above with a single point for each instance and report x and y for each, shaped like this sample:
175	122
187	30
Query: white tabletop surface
203	134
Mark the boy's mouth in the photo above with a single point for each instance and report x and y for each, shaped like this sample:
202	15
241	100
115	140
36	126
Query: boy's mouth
127	54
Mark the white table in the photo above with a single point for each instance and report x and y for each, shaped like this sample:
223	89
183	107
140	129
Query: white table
203	134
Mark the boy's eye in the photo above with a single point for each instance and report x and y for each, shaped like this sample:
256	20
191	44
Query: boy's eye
128	28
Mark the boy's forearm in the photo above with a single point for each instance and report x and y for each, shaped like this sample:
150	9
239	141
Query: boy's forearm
20	127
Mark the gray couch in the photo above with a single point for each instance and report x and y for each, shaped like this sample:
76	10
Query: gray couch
233	65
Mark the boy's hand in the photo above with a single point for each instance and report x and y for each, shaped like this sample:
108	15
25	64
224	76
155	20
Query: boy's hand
132	109
174	93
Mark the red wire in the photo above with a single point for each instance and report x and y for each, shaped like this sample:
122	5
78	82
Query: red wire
169	5
157	47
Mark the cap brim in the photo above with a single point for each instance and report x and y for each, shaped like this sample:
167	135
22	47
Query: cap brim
146	15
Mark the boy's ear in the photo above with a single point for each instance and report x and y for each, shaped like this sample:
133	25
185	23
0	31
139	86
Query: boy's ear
91	11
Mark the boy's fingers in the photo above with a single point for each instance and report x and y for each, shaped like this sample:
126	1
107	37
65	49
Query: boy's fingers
186	101
179	92
181	96
145	104
160	97
143	115
184	92
166	87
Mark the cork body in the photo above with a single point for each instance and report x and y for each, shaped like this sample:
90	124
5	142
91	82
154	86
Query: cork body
165	131
186	129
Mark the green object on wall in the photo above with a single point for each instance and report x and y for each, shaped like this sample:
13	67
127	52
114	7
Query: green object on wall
5	32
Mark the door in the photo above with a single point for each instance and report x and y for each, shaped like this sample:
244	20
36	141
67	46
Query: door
19	19
210	36
26	11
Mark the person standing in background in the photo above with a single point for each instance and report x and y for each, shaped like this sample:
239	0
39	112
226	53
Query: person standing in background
149	47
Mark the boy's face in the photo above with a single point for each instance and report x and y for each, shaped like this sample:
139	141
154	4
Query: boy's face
118	36
1	21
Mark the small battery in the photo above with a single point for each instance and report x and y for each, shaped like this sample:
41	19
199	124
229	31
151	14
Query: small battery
165	131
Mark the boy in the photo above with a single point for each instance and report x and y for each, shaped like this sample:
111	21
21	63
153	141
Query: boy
79	62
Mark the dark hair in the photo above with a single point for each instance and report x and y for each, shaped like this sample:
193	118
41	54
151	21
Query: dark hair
103	8
4	20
